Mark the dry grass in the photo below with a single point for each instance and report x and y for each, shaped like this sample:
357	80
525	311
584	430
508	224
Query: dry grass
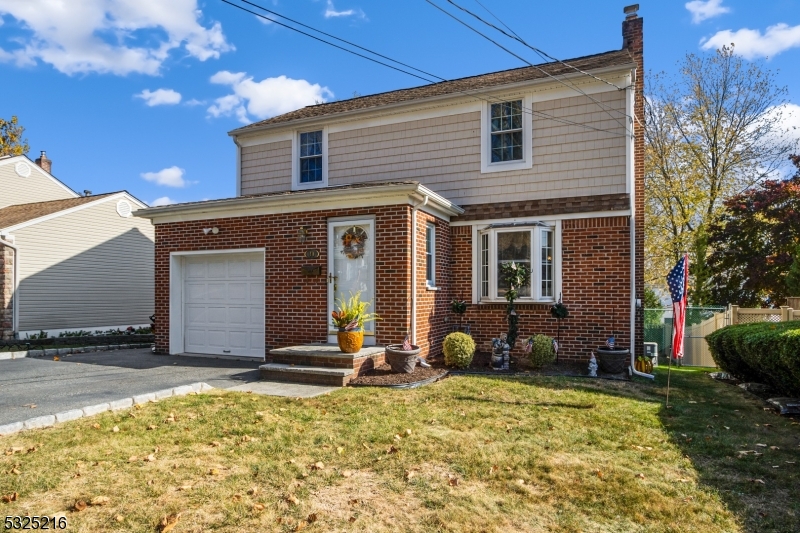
483	454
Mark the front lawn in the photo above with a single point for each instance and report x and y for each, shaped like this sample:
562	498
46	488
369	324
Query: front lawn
467	454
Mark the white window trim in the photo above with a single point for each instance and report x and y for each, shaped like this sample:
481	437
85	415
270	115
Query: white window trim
296	185
493	298
527	137
430	283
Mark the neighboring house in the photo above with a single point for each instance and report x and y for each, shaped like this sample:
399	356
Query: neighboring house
437	186
69	262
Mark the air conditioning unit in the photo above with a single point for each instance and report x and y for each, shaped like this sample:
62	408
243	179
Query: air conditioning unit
651	351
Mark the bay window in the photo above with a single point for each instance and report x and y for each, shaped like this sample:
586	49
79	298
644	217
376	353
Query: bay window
530	247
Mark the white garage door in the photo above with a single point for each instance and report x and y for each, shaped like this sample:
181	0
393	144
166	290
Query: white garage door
223	299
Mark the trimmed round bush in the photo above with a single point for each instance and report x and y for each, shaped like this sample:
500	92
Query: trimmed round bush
458	350
542	351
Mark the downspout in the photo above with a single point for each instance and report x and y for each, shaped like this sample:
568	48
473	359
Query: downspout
14	282
414	268
632	192
238	166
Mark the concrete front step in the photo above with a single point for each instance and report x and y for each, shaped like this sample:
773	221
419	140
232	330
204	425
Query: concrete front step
316	375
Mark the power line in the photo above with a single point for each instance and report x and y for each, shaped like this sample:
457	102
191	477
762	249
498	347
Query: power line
467	93
518	56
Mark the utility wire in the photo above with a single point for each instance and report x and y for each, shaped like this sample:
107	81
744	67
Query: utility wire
518	56
496	18
467	93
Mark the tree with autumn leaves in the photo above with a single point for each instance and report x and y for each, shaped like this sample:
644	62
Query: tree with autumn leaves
755	260
11	141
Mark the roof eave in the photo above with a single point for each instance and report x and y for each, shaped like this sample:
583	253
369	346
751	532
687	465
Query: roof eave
247	130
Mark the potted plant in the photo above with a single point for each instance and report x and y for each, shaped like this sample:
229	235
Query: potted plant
349	319
611	358
403	357
458	349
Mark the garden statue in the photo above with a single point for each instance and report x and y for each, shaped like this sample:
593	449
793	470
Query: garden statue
593	367
498	354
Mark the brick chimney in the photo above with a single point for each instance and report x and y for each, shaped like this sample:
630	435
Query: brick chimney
633	41
45	163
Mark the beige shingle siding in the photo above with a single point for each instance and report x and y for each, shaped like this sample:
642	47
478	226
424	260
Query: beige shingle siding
443	153
267	167
37	187
86	269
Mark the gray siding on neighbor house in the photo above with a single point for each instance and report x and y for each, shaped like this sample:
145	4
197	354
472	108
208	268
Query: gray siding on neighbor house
37	187
444	154
85	269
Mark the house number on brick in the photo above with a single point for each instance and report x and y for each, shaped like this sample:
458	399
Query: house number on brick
312	254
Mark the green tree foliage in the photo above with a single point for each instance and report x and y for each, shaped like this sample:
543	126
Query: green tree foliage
793	277
714	130
755	244
11	141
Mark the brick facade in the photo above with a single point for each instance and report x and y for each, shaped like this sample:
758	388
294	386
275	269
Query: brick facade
433	306
595	285
6	291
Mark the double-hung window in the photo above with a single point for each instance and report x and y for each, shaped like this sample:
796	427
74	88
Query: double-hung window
506	126
430	255
531	248
507	135
310	157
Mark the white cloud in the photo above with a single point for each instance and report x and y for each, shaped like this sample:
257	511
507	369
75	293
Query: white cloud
330	12
110	36
701	10
263	99
169	177
159	97
164	200
751	44
194	101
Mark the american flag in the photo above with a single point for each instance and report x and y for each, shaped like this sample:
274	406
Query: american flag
611	342
678	282
407	344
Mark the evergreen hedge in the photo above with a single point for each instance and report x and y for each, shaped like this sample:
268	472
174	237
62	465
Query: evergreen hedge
764	353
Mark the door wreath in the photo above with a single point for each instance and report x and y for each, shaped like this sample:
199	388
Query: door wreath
353	242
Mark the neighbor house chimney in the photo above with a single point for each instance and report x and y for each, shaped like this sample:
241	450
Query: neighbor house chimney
45	163
633	42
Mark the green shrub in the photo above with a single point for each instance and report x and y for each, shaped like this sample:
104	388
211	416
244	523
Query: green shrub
458	350
764	352
542	351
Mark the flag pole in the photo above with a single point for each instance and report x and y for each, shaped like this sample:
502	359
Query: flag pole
669	373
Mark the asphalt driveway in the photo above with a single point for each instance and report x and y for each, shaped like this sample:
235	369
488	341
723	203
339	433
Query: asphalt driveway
93	378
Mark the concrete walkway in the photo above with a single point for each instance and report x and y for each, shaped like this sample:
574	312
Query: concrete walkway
81	380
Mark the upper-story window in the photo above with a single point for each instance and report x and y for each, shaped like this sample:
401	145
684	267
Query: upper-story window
506	131
506	138
311	157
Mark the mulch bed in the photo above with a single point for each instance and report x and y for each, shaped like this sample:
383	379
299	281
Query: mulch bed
383	376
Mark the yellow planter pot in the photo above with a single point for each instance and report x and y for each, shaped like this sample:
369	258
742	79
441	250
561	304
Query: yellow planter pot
350	341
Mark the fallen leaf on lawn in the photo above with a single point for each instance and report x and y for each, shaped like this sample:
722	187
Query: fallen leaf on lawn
115	429
237	497
347	473
56	358
409	475
599	474
364	444
151	426
100	500
215	444
312	518
340	450
758	481
351	519
254	491
258	507
640	475
520	482
291	498
96	425
7	498
150	458
79	506
300	525
408	432
319	465
397	437
761	445
14	449
774	448
353	501
119	518
452	481
692	401
247	438
213	472
168	522
392	449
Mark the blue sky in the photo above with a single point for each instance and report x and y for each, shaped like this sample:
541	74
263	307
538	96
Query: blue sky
140	94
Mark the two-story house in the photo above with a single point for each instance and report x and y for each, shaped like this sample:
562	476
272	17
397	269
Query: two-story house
416	197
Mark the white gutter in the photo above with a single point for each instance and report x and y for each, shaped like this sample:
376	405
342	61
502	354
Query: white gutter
14	283
238	165
414	268
632	192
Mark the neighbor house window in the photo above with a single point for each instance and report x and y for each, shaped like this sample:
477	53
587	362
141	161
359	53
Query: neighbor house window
430	255
506	131
530	247
311	157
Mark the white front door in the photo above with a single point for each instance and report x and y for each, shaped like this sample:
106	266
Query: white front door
223	304
351	268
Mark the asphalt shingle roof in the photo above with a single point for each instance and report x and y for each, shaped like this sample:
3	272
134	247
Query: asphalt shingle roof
469	84
17	214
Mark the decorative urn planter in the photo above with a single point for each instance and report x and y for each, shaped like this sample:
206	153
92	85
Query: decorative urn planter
613	361
402	361
350	341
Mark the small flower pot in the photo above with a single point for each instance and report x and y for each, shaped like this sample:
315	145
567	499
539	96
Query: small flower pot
402	361
350	341
614	361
